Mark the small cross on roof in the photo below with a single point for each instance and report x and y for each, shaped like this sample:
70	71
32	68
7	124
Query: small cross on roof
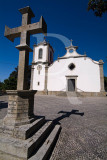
71	42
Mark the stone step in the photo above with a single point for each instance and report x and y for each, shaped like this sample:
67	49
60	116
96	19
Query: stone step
44	151
39	137
67	94
23	131
26	131
23	149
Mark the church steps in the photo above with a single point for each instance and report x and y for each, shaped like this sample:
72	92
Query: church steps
72	94
24	147
38	138
37	147
44	151
26	131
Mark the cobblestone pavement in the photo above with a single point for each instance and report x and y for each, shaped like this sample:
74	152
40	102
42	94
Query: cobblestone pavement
84	125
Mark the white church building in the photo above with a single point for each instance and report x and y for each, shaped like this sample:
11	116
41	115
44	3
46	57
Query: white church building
73	73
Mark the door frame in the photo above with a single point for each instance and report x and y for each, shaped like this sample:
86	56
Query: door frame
71	77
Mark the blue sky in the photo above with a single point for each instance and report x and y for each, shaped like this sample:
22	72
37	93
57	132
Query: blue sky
68	18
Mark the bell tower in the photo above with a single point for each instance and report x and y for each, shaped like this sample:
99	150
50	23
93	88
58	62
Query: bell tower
42	59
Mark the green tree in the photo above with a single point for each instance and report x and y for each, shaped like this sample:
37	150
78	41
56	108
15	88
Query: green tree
11	82
1	86
105	83
98	6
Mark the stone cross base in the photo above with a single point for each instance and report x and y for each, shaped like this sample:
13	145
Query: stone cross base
20	108
24	136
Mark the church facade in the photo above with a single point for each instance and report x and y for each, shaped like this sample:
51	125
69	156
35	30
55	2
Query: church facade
72	73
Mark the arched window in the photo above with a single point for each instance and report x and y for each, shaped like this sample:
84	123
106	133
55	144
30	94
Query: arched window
40	53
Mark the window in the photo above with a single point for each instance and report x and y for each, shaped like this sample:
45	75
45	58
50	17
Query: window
38	83
71	50
40	53
71	66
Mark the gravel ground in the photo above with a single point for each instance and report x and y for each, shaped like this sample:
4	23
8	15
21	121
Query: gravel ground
84	125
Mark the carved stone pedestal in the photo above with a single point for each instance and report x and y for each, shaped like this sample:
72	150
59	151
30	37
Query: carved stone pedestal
19	113
20	108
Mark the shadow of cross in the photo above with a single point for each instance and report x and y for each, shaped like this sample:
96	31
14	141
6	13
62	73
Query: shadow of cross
67	114
24	33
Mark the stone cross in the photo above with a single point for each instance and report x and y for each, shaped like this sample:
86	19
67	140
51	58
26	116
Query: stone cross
24	33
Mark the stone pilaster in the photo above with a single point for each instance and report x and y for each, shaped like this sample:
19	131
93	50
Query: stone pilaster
32	77
101	76
46	78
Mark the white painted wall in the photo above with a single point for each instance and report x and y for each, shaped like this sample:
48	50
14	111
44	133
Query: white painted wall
86	69
39	78
36	76
88	73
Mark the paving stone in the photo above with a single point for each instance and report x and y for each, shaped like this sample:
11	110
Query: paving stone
83	137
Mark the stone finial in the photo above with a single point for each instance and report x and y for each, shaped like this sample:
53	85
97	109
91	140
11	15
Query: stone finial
71	42
85	54
101	61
